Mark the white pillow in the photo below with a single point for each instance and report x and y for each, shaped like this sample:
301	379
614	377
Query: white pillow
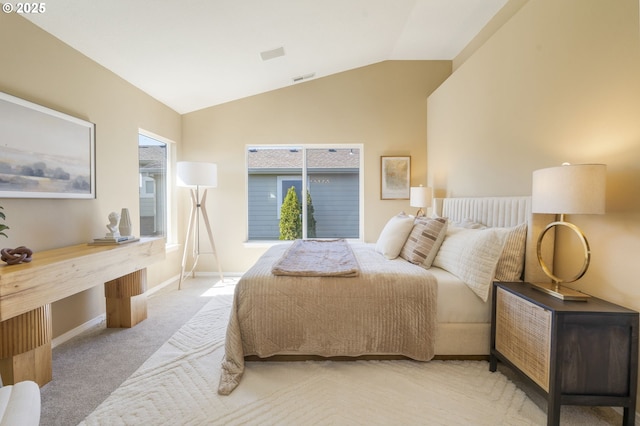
394	234
472	255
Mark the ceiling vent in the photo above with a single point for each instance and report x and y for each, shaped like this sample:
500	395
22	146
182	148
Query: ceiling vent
303	77
273	53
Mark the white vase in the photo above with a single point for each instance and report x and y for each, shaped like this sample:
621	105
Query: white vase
125	223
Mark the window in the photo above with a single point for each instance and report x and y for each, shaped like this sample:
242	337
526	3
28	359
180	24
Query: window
153	157
329	175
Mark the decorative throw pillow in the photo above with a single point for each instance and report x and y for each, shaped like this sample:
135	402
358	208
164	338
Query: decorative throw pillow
393	235
424	241
472	255
511	261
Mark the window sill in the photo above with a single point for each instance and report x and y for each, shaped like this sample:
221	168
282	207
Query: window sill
170	247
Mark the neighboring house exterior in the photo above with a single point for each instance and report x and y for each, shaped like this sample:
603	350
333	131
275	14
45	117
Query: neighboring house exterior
152	159
333	182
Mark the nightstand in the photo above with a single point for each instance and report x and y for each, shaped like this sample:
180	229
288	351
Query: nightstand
575	353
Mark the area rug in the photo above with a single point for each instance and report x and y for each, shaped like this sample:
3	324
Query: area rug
178	386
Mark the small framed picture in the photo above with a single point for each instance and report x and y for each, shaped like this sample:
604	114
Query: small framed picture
395	178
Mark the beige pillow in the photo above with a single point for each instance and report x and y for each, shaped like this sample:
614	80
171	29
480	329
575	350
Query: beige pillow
424	241
511	261
393	235
472	255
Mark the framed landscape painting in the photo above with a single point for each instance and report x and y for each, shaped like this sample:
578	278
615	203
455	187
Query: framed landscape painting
44	153
395	178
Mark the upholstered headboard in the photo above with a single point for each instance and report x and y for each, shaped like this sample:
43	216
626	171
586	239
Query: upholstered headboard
503	212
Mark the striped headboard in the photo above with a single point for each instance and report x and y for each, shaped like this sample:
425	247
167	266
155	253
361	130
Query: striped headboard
503	212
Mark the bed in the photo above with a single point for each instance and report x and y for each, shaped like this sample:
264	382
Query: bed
421	291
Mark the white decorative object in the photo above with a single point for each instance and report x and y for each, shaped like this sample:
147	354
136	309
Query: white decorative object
112	226
125	228
119	230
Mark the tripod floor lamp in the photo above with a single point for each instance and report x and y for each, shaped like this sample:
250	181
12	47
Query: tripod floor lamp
198	176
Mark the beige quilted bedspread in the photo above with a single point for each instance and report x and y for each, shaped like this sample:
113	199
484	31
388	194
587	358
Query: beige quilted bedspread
389	309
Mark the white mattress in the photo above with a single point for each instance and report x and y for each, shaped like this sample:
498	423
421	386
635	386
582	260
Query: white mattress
456	302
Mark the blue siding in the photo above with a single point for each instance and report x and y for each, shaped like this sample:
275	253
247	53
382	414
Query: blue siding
263	208
335	199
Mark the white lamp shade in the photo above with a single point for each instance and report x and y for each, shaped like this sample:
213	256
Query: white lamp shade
191	173
420	196
569	189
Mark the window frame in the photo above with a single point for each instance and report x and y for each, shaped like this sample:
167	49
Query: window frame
170	208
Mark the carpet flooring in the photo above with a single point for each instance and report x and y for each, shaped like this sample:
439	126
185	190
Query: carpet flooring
89	367
177	386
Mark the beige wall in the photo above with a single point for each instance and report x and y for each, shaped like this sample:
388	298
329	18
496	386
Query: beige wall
382	106
499	19
39	68
560	81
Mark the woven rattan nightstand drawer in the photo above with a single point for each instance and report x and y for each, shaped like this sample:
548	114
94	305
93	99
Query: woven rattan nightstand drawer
523	334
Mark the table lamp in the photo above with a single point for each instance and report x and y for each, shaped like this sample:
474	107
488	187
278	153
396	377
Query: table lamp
420	196
567	189
197	175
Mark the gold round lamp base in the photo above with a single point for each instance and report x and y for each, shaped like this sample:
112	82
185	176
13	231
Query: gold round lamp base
555	289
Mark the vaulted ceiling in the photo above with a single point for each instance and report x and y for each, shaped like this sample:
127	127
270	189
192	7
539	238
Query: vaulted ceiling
193	54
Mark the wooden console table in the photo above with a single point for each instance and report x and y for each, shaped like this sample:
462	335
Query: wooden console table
28	289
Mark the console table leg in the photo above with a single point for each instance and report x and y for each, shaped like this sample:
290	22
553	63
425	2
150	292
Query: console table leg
25	347
126	301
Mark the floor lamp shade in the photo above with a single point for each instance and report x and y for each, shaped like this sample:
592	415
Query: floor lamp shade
193	173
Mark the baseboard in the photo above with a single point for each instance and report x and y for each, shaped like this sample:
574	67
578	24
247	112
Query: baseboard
162	285
215	274
95	322
102	318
